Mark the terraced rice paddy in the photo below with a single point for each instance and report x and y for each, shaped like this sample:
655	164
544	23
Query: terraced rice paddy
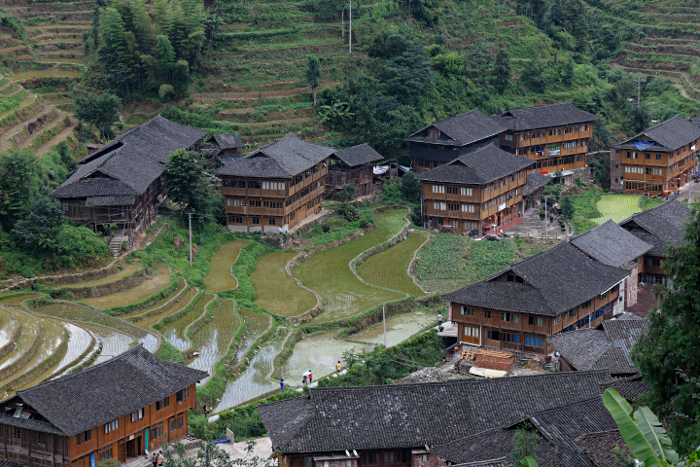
219	277
127	271
7	326
133	296
213	340
15	299
159	303
113	342
81	314
28	324
253	381
328	272
398	329
48	73
256	323
50	341
174	308
79	342
275	290
174	332
389	268
319	354
617	207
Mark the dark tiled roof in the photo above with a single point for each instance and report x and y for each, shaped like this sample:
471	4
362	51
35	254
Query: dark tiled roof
661	225
478	167
535	181
630	388
544	116
611	244
555	281
133	160
670	134
105	392
228	140
412	415
607	346
283	158
122	200
499	462
599	447
358	155
461	130
30	424
695	120
645	302
225	159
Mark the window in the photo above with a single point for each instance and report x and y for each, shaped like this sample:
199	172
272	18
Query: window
17	433
256	220
138	415
467	208
439	206
634	170
111	426
272	221
41	438
470	225
631	155
508	137
658	157
105	453
571	312
586	304
369	458
534	321
453	206
163	403
273	185
531	340
64	207
255	184
569	145
466	311
465	191
509	317
84	436
452	190
471	332
438	189
647	155
182	395
235	220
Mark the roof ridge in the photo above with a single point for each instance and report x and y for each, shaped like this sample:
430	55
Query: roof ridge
567	406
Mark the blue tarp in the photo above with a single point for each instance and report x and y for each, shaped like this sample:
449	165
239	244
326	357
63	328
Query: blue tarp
642	145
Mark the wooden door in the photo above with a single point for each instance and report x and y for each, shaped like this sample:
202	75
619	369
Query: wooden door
471	334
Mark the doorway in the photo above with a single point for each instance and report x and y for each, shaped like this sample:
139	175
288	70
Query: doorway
133	447
471	334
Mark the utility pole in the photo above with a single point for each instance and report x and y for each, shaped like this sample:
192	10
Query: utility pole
639	81
546	211
190	214
384	321
350	34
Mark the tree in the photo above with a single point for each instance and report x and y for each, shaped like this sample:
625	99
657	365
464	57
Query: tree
639	118
189	187
410	187
40	225
313	74
566	72
667	355
100	110
567	206
501	71
532	76
19	183
525	442
346	194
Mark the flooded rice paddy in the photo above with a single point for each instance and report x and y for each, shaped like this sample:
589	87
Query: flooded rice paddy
113	342
398	329
7	327
213	340
175	332
175	307
133	296
328	272
275	290
220	277
28	331
256	324
79	341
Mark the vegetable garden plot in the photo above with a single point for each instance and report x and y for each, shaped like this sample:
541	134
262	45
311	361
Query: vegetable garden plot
136	295
219	277
174	332
275	290
172	309
389	268
253	381
28	323
398	329
79	341
328	272
616	207
213	340
256	323
128	270
113	342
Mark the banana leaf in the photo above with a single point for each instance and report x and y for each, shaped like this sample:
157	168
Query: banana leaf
528	461
655	434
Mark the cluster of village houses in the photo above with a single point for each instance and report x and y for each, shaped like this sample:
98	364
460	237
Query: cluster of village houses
582	301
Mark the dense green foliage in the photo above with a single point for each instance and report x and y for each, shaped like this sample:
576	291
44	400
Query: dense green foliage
668	355
100	110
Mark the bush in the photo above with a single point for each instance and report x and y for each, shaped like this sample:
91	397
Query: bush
364	223
542	214
349	212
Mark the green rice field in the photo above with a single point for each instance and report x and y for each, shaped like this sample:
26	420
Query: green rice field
389	268
616	207
256	324
127	271
174	308
220	277
174	332
213	340
328	272
15	299
133	296
159	303
275	290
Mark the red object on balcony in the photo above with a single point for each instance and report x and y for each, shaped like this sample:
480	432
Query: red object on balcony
544	172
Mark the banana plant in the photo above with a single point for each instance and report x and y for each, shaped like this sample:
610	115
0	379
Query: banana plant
528	461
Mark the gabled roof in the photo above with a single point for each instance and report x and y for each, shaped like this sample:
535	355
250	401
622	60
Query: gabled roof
358	155
668	135
107	391
661	225
461	130
558	428
544	116
479	167
228	140
600	448
630	388
555	281
611	244
412	415
128	164
535	181
283	158
607	346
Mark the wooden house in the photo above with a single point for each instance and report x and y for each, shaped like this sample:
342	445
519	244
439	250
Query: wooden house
660	226
533	189
120	183
223	148
480	190
555	136
445	140
604	347
353	166
276	186
118	409
610	244
405	425
658	160
558	290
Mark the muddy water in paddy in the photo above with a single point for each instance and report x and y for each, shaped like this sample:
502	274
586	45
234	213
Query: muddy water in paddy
256	323
78	342
253	381
398	329
213	340
174	332
113	342
7	327
24	341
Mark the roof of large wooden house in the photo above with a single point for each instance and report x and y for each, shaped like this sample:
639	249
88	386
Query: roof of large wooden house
126	166
630	387
479	167
535	181
228	141
412	415
605	347
661	226
667	136
611	244
99	394
358	155
544	116
460	130
554	281
282	158
600	448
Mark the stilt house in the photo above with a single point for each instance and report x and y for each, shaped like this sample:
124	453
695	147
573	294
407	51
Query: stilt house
353	166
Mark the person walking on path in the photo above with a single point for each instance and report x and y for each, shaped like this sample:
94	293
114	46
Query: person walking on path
310	377
154	459
160	459
304	380
439	319
337	367
281	385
